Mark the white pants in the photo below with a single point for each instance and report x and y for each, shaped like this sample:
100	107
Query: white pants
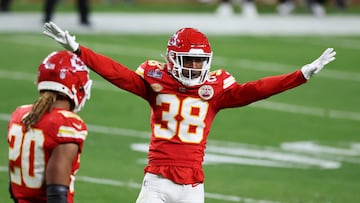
157	189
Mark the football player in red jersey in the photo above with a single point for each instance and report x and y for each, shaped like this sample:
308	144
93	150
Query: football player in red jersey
184	97
46	138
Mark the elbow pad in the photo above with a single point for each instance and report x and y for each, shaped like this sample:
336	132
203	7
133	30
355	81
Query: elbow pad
57	193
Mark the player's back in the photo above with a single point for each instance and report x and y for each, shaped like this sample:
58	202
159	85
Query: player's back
30	150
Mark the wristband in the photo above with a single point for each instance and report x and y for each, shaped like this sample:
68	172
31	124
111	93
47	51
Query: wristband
57	193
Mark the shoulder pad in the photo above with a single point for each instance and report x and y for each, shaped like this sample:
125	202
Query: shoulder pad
70	114
222	75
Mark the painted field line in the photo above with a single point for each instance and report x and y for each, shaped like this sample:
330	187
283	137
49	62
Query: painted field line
305	110
236	153
218	60
103	129
134	185
264	104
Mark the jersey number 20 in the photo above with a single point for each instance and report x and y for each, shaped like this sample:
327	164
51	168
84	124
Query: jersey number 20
32	160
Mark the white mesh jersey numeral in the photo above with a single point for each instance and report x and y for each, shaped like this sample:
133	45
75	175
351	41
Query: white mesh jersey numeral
29	148
192	111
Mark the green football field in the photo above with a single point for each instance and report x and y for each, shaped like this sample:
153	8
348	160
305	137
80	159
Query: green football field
301	146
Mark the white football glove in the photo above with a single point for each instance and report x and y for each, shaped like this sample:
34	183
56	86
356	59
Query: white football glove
309	70
61	36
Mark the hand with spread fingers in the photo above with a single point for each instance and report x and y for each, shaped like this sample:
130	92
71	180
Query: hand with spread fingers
316	66
61	36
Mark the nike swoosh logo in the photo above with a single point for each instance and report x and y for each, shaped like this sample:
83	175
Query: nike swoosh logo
195	184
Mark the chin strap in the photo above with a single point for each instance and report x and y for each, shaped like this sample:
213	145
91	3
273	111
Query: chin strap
57	193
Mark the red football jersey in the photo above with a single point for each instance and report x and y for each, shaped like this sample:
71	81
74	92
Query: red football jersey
30	151
181	116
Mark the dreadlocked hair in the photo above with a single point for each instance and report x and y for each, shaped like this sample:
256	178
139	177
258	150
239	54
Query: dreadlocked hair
42	105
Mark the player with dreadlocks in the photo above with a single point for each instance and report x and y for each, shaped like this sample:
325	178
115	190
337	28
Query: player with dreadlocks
46	138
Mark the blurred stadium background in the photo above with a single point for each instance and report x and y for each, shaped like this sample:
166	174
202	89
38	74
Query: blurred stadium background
302	146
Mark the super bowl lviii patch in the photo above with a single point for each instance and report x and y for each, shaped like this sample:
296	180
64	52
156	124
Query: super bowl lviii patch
155	73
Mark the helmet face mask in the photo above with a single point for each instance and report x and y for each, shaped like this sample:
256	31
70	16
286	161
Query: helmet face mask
64	72
189	57
187	75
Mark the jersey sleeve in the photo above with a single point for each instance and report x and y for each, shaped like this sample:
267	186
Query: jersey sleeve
114	72
71	130
236	95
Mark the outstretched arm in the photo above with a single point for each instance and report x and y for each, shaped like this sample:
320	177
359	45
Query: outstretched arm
244	94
